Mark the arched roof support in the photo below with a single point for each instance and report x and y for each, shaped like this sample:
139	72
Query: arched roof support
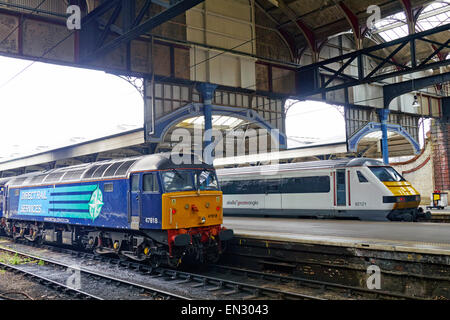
376	127
354	23
164	124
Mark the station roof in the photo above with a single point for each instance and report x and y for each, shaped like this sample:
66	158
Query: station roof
320	20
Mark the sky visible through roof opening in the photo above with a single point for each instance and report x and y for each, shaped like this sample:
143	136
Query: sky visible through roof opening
433	15
50	106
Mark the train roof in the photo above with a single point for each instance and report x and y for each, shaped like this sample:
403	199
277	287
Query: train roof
104	170
321	164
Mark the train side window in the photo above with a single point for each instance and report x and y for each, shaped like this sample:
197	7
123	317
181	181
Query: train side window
272	186
226	187
361	177
316	184
150	183
108	187
135	183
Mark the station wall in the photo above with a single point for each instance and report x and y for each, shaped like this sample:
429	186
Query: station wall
419	171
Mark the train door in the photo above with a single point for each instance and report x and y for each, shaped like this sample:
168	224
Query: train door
340	188
151	201
135	201
2	200
272	199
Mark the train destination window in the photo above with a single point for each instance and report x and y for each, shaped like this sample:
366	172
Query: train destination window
135	183
386	174
150	183
177	180
109	187
361	177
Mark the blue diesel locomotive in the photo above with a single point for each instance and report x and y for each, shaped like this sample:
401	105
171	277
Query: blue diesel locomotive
143	208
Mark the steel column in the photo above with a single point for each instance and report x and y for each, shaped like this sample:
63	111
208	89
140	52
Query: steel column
207	91
384	113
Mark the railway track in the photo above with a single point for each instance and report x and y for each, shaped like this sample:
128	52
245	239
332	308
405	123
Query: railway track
349	291
221	288
49	283
96	285
221	284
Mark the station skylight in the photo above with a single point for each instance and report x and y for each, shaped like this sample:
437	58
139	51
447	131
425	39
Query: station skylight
217	121
395	26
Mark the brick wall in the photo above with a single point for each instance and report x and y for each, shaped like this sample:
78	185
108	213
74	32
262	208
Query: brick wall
440	132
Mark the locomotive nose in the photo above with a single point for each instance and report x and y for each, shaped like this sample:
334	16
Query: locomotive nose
193	209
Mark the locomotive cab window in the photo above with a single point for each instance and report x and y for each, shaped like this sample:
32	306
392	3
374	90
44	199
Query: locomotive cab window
177	180
135	183
386	174
206	180
150	183
361	177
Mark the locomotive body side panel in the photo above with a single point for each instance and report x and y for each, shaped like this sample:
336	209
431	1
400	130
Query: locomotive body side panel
98	204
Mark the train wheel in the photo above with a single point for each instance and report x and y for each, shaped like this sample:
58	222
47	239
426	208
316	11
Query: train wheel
408	217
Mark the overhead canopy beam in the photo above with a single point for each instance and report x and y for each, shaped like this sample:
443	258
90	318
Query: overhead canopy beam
307	32
354	23
151	23
391	91
326	67
285	36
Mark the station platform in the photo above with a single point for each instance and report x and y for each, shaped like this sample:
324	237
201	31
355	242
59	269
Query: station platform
408	237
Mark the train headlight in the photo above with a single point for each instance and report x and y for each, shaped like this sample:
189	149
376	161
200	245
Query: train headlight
207	205
202	220
418	197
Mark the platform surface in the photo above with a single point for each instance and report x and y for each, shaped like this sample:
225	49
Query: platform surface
433	238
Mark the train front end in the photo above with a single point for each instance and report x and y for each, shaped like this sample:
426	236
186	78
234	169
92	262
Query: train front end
401	197
192	215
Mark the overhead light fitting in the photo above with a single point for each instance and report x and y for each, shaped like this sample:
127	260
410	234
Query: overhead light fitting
416	103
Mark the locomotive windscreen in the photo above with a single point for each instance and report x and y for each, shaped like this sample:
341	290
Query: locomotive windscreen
188	180
387	174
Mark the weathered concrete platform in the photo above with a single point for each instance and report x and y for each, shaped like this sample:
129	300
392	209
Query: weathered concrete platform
432	238
413	258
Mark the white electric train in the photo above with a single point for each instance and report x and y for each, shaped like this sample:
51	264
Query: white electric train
359	188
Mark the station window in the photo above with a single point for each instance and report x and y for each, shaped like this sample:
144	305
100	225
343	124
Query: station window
109	187
361	177
150	183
